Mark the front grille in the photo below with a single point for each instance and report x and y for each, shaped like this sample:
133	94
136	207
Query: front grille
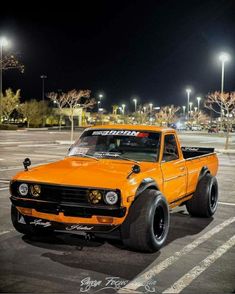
64	194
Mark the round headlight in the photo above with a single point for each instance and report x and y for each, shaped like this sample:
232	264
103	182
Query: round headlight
111	198
35	190
23	189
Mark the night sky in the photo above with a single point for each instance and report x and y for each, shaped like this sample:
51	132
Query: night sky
151	50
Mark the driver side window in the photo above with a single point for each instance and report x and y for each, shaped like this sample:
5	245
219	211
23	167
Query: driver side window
170	151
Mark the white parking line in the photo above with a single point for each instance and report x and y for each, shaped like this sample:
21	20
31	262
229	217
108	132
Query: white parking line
156	269
187	279
227	203
12	168
4	232
5	188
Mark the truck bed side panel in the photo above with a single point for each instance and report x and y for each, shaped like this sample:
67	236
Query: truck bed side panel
195	166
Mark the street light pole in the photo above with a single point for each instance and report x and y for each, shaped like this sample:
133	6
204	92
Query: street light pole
188	96
198	103
223	58
3	42
184	107
123	108
190	107
135	101
43	77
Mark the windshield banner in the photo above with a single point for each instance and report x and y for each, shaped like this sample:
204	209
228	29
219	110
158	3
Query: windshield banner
115	133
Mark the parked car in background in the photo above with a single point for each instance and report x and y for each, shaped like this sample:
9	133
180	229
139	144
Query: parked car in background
196	128
213	130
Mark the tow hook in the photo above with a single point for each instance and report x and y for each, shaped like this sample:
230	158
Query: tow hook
88	237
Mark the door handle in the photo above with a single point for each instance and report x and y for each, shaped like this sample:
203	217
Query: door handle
182	168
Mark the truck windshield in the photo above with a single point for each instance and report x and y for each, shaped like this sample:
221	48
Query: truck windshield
118	144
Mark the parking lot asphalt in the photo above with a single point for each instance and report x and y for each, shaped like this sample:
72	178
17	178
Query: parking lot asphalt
198	256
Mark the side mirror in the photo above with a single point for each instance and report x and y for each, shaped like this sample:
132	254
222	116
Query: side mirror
135	170
26	163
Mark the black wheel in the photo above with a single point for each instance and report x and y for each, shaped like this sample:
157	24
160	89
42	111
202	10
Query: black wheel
205	199
147	224
24	228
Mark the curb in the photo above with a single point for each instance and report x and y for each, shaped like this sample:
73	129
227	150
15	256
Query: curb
63	142
225	151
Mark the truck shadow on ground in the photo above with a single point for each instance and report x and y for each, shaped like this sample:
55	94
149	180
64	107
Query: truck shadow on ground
109	256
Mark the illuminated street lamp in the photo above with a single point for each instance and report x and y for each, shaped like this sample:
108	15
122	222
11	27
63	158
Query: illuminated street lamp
100	97
190	106
195	109
198	103
135	101
144	108
151	107
188	91
98	105
123	108
184	107
3	43
223	57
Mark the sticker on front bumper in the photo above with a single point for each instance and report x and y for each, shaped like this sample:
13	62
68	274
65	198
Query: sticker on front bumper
79	228
21	220
40	222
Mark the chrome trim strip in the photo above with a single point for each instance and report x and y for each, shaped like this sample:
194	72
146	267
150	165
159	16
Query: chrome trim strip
193	171
173	178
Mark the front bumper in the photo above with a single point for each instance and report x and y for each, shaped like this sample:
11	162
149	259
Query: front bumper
49	225
69	209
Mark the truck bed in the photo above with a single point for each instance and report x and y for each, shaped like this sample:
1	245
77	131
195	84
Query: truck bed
192	152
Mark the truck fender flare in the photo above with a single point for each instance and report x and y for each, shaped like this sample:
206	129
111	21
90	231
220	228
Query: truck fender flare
146	183
205	170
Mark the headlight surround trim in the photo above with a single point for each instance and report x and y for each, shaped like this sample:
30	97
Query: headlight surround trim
111	198
35	190
23	189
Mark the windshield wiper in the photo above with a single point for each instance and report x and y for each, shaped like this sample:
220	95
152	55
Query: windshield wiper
85	155
117	156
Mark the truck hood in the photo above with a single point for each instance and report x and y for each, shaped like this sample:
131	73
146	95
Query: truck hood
82	172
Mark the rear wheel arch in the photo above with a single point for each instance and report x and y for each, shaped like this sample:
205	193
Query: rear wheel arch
205	170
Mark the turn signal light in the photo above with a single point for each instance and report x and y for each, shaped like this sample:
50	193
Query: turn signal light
23	210
105	220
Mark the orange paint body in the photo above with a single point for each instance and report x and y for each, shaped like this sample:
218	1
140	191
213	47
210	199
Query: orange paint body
176	179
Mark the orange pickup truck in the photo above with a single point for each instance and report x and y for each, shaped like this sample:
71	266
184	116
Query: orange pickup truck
119	179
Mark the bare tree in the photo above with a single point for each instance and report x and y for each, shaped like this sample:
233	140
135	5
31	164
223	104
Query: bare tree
6	63
224	102
167	114
60	99
77	98
11	62
10	101
199	117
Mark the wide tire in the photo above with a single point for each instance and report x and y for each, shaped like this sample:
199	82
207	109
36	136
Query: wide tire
205	199
147	224
25	228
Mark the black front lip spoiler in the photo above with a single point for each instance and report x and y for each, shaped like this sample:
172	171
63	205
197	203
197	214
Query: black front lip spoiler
48	225
69	209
